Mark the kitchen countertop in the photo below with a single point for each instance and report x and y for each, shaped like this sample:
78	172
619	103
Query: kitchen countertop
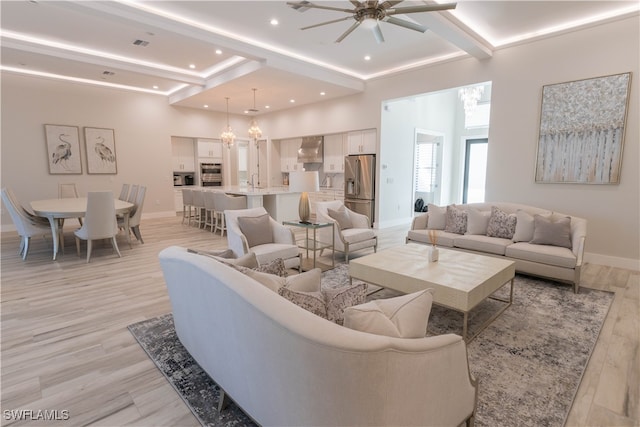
248	191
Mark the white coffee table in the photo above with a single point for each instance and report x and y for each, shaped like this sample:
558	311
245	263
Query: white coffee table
460	280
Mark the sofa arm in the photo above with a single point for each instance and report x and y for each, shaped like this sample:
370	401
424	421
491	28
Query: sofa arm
420	222
358	220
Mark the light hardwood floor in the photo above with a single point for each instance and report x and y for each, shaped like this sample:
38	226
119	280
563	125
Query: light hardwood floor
65	345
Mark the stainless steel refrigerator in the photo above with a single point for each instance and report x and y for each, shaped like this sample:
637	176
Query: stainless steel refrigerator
360	184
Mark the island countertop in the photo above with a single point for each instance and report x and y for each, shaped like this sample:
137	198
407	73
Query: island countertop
242	190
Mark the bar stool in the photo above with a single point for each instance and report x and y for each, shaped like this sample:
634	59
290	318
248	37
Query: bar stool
209	210
197	201
187	202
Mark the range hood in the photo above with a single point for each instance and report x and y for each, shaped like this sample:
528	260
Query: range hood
311	150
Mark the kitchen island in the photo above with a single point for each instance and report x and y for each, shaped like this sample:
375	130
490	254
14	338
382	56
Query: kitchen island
281	204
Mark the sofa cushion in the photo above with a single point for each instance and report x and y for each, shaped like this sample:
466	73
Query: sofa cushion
554	231
405	316
444	239
524	225
270	251
477	221
337	300
256	229
334	301
543	254
437	216
306	280
354	235
501	224
341	215
491	245
456	220
310	301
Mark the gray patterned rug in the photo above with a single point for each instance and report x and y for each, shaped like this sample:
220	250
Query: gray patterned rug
529	362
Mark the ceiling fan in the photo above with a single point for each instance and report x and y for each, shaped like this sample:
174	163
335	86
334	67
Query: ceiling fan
369	12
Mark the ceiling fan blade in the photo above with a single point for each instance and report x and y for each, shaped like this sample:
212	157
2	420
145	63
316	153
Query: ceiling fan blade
355	3
405	24
326	23
346	33
425	8
303	6
390	3
377	33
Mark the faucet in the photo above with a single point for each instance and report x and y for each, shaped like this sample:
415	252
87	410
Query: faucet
253	185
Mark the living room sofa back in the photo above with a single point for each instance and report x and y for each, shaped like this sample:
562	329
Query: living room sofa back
288	367
555	262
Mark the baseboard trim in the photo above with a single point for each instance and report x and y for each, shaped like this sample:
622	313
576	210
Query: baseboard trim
612	261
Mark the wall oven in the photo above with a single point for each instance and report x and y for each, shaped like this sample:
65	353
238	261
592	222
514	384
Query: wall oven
211	174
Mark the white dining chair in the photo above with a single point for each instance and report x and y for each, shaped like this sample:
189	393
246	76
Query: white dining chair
99	221
25	225
67	190
133	194
209	210
134	218
124	192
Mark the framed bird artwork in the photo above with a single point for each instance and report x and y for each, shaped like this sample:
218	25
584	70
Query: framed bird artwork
101	151
63	149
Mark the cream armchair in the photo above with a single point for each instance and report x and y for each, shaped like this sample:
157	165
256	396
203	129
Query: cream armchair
351	234
253	230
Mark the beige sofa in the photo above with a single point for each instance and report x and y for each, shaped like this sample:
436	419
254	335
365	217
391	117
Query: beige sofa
285	366
555	262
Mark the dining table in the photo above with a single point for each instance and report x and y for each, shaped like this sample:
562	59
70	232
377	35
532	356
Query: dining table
56	210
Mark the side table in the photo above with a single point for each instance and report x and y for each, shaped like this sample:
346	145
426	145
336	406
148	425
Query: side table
313	244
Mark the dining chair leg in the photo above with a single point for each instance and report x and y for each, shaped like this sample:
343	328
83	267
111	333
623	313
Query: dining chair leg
25	251
78	246
89	247
136	232
115	246
21	248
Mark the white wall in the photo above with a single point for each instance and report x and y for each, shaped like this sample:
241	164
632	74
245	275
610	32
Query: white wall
144	124
517	75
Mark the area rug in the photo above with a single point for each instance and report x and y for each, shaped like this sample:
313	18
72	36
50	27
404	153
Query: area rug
529	361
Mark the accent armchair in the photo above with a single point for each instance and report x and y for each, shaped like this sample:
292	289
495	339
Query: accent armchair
253	230
352	230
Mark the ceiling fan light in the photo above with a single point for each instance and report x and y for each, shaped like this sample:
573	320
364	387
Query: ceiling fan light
369	23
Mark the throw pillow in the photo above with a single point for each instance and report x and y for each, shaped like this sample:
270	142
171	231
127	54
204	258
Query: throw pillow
437	217
552	231
405	316
341	216
477	221
310	301
456	220
275	267
524	226
256	229
501	224
337	300
306	280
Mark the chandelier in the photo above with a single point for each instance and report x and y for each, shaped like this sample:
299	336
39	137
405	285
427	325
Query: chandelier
228	136
470	97
254	130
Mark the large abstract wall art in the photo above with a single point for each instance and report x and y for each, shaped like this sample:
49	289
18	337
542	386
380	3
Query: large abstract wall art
582	130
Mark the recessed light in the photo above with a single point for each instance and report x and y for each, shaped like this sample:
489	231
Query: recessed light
206	106
192	66
267	106
155	86
292	101
274	22
367	58
322	93
218	52
246	111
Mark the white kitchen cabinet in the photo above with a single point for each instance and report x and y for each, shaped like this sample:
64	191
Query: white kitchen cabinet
362	142
183	156
208	148
334	152
289	155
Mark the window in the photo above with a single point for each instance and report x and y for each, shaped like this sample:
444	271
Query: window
426	167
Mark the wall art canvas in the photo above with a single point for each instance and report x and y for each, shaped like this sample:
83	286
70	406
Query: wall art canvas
582	130
101	150
63	149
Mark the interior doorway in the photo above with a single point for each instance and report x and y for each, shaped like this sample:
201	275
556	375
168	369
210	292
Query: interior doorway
427	170
475	170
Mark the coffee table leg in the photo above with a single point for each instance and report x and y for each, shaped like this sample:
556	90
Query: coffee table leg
465	326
